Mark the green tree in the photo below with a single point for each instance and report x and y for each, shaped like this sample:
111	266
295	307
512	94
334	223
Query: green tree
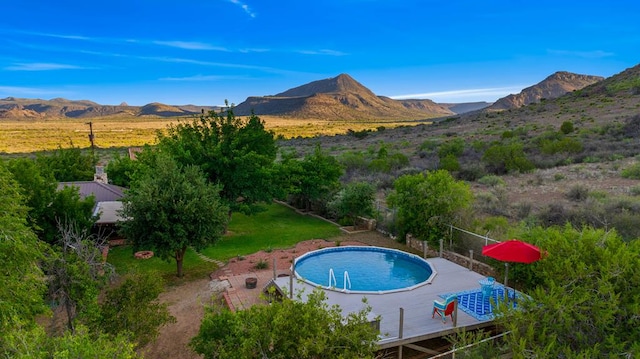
22	288
133	308
428	202
22	282
172	207
312	179
287	329
37	185
121	170
353	201
77	272
237	154
67	207
586	298
36	344
47	206
69	164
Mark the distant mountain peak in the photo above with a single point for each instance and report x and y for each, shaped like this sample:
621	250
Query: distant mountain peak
553	86
339	97
340	83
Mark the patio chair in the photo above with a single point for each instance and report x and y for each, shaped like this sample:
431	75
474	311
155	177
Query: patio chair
444	308
486	287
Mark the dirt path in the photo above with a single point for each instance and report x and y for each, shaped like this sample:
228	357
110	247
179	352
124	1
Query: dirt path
185	302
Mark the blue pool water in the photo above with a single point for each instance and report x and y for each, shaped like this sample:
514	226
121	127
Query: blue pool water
370	269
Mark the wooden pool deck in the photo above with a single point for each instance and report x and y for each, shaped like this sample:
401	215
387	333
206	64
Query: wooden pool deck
416	304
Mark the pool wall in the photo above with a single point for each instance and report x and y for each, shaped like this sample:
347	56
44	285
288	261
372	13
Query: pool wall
406	256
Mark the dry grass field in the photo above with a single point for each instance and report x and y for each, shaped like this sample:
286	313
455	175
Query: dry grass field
25	136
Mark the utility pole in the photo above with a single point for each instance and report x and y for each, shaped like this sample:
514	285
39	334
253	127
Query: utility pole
93	149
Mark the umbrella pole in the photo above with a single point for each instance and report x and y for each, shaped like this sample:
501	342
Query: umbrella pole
506	274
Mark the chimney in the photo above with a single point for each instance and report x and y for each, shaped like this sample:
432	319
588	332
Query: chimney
100	175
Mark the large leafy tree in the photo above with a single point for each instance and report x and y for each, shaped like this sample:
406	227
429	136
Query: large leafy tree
77	272
171	207
22	282
36	344
38	186
428	202
22	288
353	201
69	164
314	178
47	206
588	298
288	329
121	170
133	308
235	153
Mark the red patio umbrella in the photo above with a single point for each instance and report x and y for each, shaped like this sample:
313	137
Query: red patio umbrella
512	250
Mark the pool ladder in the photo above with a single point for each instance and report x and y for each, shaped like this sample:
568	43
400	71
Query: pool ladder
332	279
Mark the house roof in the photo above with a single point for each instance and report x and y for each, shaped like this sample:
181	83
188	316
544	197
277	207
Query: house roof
108	212
102	191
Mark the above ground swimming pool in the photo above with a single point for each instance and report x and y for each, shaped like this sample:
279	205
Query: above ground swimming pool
363	269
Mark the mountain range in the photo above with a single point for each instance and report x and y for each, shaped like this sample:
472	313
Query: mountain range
338	98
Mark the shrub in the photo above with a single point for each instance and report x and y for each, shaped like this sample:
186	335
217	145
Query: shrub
428	145
450	163
565	145
522	210
632	172
566	127
578	193
471	173
451	148
501	158
262	264
491	180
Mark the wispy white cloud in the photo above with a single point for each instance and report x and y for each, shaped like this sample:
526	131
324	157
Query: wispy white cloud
58	36
481	93
596	54
31	91
190	45
41	66
322	52
198	78
187	45
254	50
244	7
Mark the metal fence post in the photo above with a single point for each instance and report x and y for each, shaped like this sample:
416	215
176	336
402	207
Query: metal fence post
293	271
401	329
425	249
441	246
470	259
455	312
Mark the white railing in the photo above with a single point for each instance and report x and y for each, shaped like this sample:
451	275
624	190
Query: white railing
346	280
332	277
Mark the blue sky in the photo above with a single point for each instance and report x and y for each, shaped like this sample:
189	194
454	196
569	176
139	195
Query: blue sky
205	51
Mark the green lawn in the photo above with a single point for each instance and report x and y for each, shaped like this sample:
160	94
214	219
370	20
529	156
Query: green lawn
278	227
193	267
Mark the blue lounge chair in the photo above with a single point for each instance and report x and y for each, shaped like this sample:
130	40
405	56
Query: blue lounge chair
444	308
